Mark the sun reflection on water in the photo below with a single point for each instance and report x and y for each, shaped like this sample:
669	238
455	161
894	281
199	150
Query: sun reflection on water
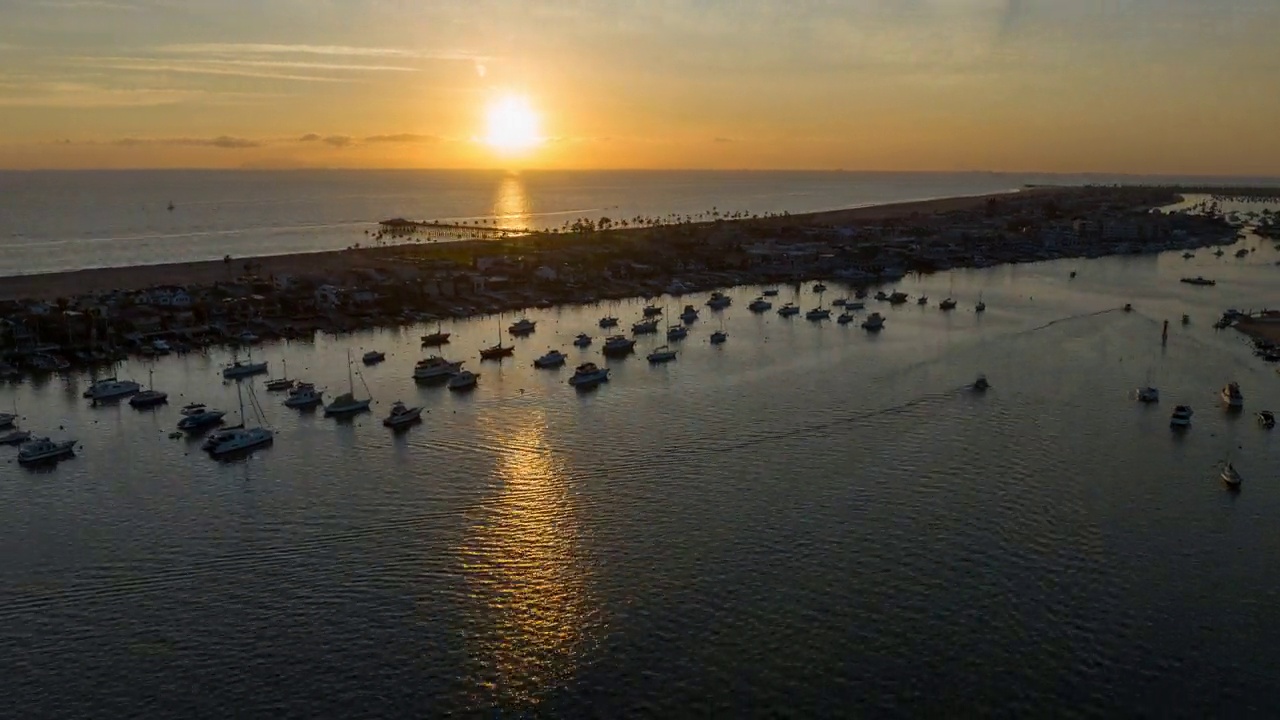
524	566
511	204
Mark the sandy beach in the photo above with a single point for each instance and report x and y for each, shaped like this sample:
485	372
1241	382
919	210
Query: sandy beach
66	284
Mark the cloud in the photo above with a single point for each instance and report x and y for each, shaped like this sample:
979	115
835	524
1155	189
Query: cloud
81	95
402	138
339	141
224	142
239	49
199	68
309	137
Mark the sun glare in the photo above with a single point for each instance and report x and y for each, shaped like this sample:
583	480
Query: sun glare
512	126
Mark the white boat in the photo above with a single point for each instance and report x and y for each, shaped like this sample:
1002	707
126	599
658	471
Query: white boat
15	437
677	332
1232	396
818	314
645	327
844	318
662	354
1148	394
347	403
112	388
38	450
523	326
760	305
1181	417
583	340
618	345
435	368
464	380
874	322
719	301
589	375
788	310
304	396
281	383
238	369
690	314
373	357
553	359
1230	475
235	440
402	415
200	419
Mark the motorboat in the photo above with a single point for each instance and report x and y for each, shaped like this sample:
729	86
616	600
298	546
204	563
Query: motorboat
718	337
238	439
874	322
1147	394
769	292
15	437
981	384
882	295
947	304
201	419
1232	396
1186	319
583	340
839	302
719	301
788	310
553	359
111	388
347	403
618	345
1266	419
1199	280
304	396
661	354
373	357
465	380
898	298
677	332
855	305
497	352
523	326
7	420
760	305
645	327
38	450
651	311
589	375
194	408
844	318
1181	417
1231	476
608	321
817	314
238	369
689	315
402	415
922	300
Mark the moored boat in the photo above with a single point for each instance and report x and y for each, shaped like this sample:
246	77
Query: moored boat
1181	417
1232	396
589	375
552	359
402	415
465	380
39	450
618	345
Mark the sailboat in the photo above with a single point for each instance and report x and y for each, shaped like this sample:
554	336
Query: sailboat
1231	476
720	335
820	312
499	351
346	403
238	369
437	338
149	397
981	306
239	438
281	383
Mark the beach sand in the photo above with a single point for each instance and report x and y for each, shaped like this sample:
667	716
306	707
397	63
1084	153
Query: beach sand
50	286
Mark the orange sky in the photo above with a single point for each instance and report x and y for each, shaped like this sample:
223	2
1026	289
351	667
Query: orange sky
1142	86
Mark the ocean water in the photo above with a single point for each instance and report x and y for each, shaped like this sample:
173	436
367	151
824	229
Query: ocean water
807	520
51	221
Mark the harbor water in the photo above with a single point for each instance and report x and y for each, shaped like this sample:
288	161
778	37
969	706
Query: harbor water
809	519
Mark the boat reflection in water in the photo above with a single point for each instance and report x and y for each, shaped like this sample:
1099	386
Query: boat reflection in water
525	570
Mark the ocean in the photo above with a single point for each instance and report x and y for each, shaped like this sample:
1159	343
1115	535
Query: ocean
807	520
54	221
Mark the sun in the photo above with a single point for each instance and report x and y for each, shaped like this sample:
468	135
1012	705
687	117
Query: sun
511	125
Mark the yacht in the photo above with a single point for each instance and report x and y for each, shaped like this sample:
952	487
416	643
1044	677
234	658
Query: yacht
237	439
689	315
718	337
677	332
898	298
874	322
652	311
1147	394
760	305
769	292
819	288
347	403
608	321
15	437
844	318
436	339
947	304
111	389
553	359
719	301
661	355
618	345
1232	396
981	384
1181	417
818	314
238	369
373	357
523	326
402	415
1230	475
788	310
281	383
588	375
645	327
37	450
465	380
583	340
200	419
1266	419
305	395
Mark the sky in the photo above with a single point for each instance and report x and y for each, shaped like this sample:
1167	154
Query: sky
1117	86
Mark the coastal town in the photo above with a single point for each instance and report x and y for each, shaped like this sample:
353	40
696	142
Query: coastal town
421	276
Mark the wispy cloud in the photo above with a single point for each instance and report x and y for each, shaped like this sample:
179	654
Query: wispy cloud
225	142
202	68
339	141
82	95
402	138
235	49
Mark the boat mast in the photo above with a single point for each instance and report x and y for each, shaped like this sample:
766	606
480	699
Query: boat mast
351	381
